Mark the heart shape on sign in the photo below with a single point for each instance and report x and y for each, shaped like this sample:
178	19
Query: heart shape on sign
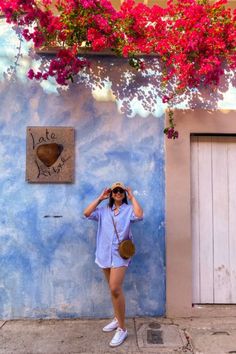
49	153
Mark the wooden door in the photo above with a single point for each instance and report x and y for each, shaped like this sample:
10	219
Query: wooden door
213	208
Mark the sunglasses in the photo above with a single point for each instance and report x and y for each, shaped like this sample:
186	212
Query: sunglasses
118	190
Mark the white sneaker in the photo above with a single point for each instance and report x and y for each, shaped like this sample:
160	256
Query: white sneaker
119	337
111	326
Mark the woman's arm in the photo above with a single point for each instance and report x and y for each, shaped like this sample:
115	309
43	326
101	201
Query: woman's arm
92	206
138	211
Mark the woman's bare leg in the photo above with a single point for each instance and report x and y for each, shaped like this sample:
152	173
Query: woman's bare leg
116	278
106	272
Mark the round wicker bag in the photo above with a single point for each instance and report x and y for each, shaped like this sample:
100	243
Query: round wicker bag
126	249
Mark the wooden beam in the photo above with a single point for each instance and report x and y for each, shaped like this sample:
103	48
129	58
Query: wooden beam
232	4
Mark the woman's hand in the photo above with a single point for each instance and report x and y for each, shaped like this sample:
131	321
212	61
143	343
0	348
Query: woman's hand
138	211
92	206
105	194
129	193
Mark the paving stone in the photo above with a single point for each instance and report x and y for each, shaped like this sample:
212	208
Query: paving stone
62	337
212	341
214	322
159	336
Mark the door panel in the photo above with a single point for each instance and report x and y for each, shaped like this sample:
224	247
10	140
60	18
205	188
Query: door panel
213	207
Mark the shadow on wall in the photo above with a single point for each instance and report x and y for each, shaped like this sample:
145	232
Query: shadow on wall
128	86
113	79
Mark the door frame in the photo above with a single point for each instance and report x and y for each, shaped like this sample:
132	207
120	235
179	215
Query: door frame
178	210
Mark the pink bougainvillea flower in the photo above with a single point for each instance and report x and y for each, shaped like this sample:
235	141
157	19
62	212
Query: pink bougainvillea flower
31	74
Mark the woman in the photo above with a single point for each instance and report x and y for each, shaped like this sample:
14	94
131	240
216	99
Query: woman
107	255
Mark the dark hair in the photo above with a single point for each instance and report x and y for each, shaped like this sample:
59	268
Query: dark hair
111	200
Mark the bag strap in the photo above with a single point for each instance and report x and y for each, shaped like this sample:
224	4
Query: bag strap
114	224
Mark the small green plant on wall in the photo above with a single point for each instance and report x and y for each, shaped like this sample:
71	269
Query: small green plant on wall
194	40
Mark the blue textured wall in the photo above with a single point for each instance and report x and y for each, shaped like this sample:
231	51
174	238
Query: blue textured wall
47	264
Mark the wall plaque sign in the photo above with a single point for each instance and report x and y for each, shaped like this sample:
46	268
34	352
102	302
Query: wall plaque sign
50	154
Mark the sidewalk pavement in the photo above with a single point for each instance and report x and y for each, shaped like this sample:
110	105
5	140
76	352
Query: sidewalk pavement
146	335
